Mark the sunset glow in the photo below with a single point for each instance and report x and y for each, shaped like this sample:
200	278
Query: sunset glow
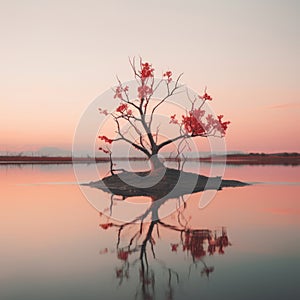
149	149
53	65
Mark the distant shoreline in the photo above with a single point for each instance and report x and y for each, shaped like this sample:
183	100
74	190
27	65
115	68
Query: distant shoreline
231	159
257	159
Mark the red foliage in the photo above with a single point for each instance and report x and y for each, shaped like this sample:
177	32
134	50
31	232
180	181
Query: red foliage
198	113
105	139
168	74
144	91
206	97
193	125
146	71
174	247
104	150
123	255
211	249
119	273
122	107
106	225
221	250
222	125
194	244
173	120
118	92
104	112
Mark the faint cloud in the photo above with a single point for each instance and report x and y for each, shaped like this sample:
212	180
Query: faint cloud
283	212
285	105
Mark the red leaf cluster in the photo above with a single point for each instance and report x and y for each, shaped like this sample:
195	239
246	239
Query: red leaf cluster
222	125
173	120
119	91
206	97
217	124
174	247
144	91
103	111
106	225
195	125
192	124
123	109
104	150
168	74
123	255
146	71
119	273
218	244
193	242
105	139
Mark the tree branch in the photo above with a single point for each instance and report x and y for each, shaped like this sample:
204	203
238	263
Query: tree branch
123	138
170	93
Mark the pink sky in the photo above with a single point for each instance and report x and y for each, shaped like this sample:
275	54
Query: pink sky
57	56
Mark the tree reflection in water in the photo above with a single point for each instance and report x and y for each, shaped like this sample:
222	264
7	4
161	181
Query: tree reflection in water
136	240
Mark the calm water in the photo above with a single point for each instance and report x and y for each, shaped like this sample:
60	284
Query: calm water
54	245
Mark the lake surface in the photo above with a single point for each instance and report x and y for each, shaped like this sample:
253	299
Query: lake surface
55	245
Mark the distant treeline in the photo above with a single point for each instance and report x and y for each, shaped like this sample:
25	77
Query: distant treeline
280	154
284	158
58	159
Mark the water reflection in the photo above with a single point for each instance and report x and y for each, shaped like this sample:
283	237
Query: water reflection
139	241
50	241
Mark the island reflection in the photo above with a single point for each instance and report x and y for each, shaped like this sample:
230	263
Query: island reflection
138	241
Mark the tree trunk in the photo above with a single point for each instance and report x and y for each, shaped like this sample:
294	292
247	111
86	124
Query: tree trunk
155	162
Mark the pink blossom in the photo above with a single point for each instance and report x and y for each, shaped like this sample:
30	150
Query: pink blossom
168	74
144	91
105	139
173	120
104	112
118	92
146	71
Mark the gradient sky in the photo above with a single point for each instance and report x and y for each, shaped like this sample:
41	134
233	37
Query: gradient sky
57	56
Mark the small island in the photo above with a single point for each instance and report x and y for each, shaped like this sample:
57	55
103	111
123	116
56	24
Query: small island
171	182
138	124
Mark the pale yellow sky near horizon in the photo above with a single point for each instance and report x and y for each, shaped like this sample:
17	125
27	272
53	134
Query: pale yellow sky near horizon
57	56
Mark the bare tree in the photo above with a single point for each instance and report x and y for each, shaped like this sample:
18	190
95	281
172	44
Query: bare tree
140	114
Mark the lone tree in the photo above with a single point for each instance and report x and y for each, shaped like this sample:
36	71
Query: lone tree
139	115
